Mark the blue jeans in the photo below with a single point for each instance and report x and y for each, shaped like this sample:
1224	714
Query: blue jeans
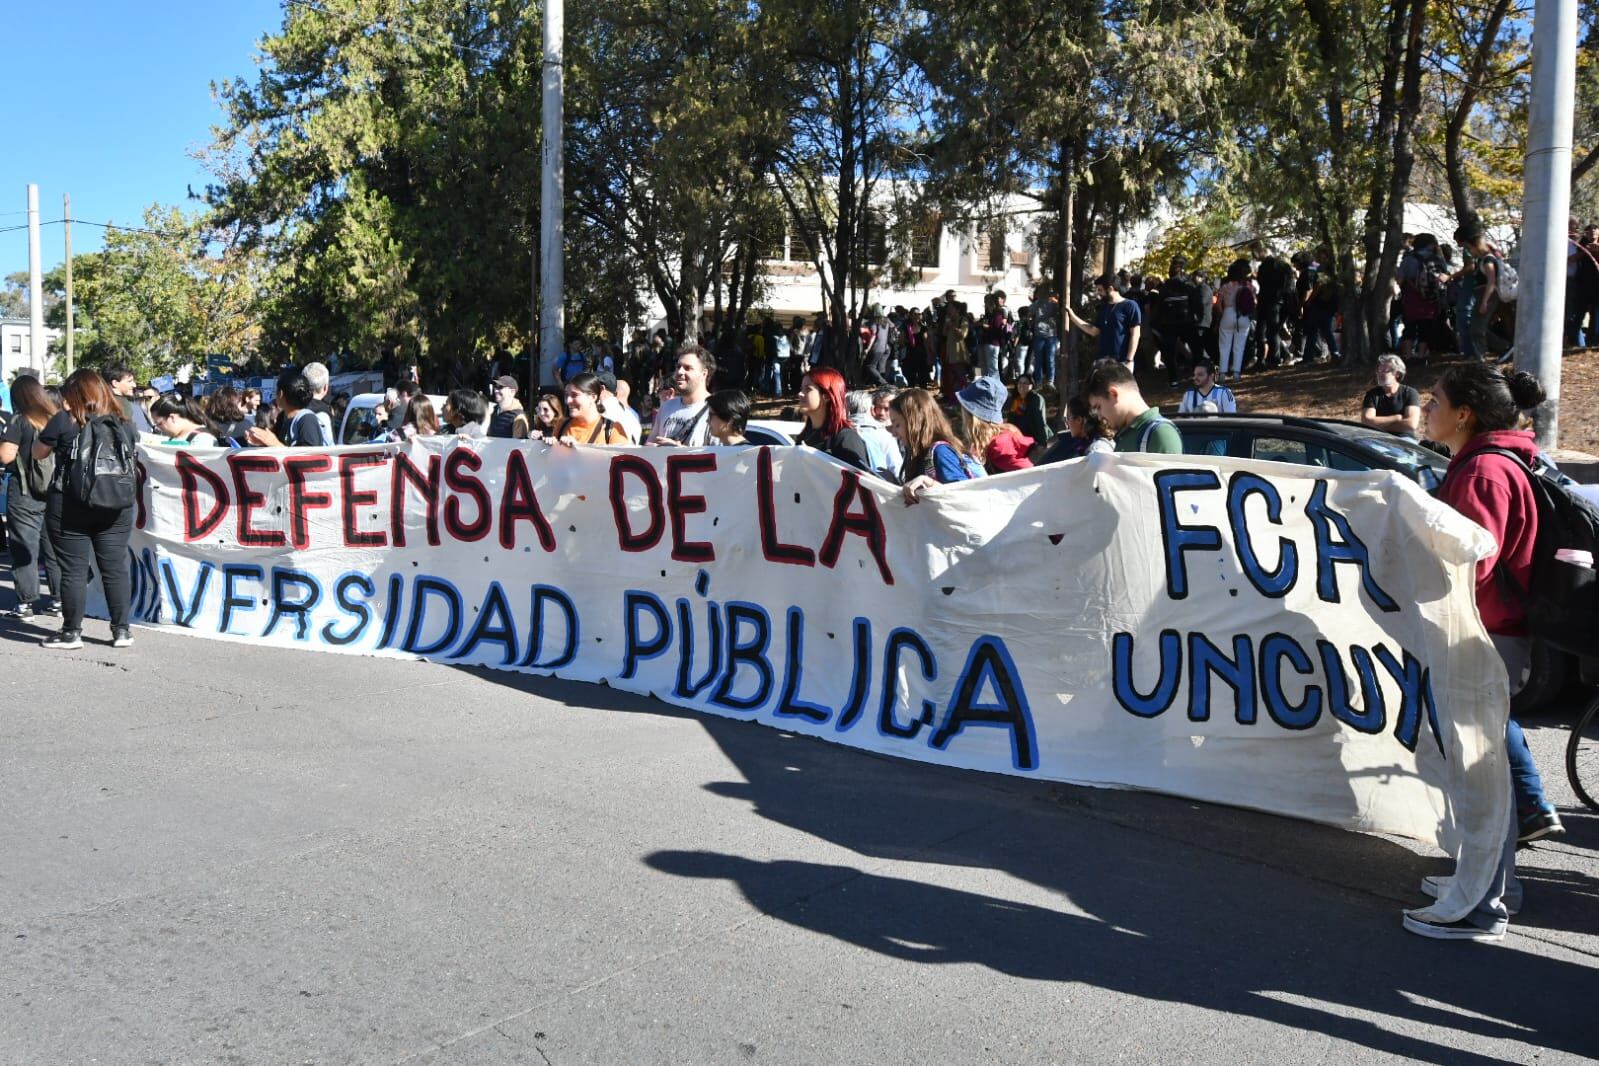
989	353
1043	360
1320	327
1524	774
772	377
1463	309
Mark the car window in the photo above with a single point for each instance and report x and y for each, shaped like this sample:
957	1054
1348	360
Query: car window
1423	464
360	425
1204	442
764	435
1285	450
1342	460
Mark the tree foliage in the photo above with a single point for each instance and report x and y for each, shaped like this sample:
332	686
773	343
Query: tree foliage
160	296
377	177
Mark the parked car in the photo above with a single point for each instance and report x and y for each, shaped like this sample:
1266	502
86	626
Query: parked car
360	418
1338	445
772	431
1325	442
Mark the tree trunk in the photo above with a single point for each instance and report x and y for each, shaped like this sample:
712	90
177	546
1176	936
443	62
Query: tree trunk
1454	132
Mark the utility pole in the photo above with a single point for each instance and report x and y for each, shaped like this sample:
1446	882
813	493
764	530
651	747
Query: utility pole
1066	353
35	287
552	314
66	216
1540	310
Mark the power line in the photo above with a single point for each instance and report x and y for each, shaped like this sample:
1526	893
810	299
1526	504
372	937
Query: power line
101	225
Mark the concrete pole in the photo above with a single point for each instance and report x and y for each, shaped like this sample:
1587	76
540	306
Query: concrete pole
1546	204
552	280
36	351
66	215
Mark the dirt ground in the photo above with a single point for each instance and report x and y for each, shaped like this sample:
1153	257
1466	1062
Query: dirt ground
1335	392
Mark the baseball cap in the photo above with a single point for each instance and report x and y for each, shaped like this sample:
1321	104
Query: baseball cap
505	381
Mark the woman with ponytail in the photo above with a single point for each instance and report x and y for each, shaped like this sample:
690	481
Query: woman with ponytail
1477	411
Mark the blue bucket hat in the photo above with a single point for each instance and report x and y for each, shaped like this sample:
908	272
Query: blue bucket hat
985	399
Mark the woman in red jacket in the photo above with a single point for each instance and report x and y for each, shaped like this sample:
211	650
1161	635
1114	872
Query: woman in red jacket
1475	408
998	443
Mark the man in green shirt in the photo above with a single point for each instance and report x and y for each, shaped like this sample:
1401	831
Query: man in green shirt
1113	394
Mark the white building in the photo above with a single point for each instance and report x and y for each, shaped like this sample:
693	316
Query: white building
997	256
16	348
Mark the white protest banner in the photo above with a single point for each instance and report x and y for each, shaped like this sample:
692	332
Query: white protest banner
1252	634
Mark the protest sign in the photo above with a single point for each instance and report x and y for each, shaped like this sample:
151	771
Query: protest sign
1252	634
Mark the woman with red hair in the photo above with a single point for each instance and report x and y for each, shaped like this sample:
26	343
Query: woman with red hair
827	426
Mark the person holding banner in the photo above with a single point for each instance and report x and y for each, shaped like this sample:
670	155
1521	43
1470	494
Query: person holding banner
828	429
1473	410
1114	396
297	425
932	454
682	418
420	418
181	421
548	414
584	423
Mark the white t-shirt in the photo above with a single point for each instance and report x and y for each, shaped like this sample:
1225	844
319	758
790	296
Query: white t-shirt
688	425
1219	400
622	415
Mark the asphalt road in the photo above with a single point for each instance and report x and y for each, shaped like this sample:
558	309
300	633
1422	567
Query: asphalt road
221	854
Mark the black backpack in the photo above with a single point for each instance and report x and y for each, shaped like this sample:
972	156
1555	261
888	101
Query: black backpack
99	469
1562	605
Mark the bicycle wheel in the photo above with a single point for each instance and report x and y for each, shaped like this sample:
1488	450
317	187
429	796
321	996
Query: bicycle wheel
1582	756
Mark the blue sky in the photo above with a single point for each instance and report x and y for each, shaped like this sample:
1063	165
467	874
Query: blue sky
109	99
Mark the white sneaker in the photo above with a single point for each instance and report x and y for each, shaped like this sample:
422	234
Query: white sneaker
1432	928
1437	884
66	640
122	638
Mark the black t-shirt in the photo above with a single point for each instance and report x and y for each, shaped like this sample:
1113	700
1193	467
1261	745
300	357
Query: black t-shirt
1179	302
1387	406
302	430
62	430
18	431
1275	276
846	445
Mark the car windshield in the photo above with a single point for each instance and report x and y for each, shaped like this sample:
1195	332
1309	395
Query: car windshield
1423	464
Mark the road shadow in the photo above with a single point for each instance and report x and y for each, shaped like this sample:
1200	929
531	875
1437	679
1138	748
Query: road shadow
1152	896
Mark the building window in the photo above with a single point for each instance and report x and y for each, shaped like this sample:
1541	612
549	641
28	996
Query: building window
924	244
998	259
803	245
16	342
775	248
874	236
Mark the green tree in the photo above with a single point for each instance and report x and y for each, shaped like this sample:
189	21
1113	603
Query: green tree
386	160
160	296
675	115
852	91
1326	120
